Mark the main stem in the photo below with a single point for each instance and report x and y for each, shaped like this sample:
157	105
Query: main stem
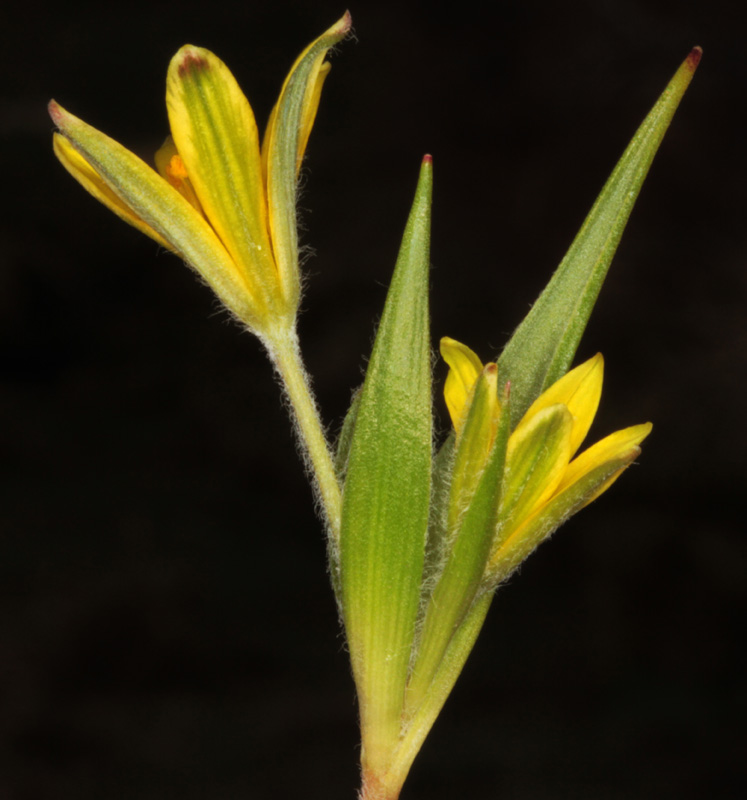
286	356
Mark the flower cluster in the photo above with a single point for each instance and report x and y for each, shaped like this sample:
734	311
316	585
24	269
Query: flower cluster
221	200
544	481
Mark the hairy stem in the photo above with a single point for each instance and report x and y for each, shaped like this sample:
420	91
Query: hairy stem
285	355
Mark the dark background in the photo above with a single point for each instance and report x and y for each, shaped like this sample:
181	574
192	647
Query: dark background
166	625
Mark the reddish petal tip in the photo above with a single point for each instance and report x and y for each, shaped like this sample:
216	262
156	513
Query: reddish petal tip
192	61
427	159
694	58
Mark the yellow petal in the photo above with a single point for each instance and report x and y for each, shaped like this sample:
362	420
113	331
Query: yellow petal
464	369
171	168
309	110
611	448
536	460
579	390
296	108
92	182
285	141
585	478
475	442
216	136
310	107
149	197
547	518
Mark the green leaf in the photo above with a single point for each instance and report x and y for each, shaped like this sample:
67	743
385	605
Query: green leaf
452	663
542	348
387	493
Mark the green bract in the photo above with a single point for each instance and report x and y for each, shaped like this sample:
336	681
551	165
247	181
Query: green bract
543	346
387	495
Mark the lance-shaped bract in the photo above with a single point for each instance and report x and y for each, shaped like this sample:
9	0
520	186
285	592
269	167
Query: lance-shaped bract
543	346
227	207
386	498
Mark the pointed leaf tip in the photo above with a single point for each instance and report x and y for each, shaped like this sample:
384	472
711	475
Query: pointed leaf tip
694	57
542	347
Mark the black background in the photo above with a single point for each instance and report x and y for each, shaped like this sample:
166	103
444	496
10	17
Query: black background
166	625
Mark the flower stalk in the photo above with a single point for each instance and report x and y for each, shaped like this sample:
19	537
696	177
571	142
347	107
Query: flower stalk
286	357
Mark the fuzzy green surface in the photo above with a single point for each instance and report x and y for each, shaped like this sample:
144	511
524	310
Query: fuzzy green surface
474	501
387	493
543	346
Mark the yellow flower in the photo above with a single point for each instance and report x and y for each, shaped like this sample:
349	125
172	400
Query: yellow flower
224	204
544	481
